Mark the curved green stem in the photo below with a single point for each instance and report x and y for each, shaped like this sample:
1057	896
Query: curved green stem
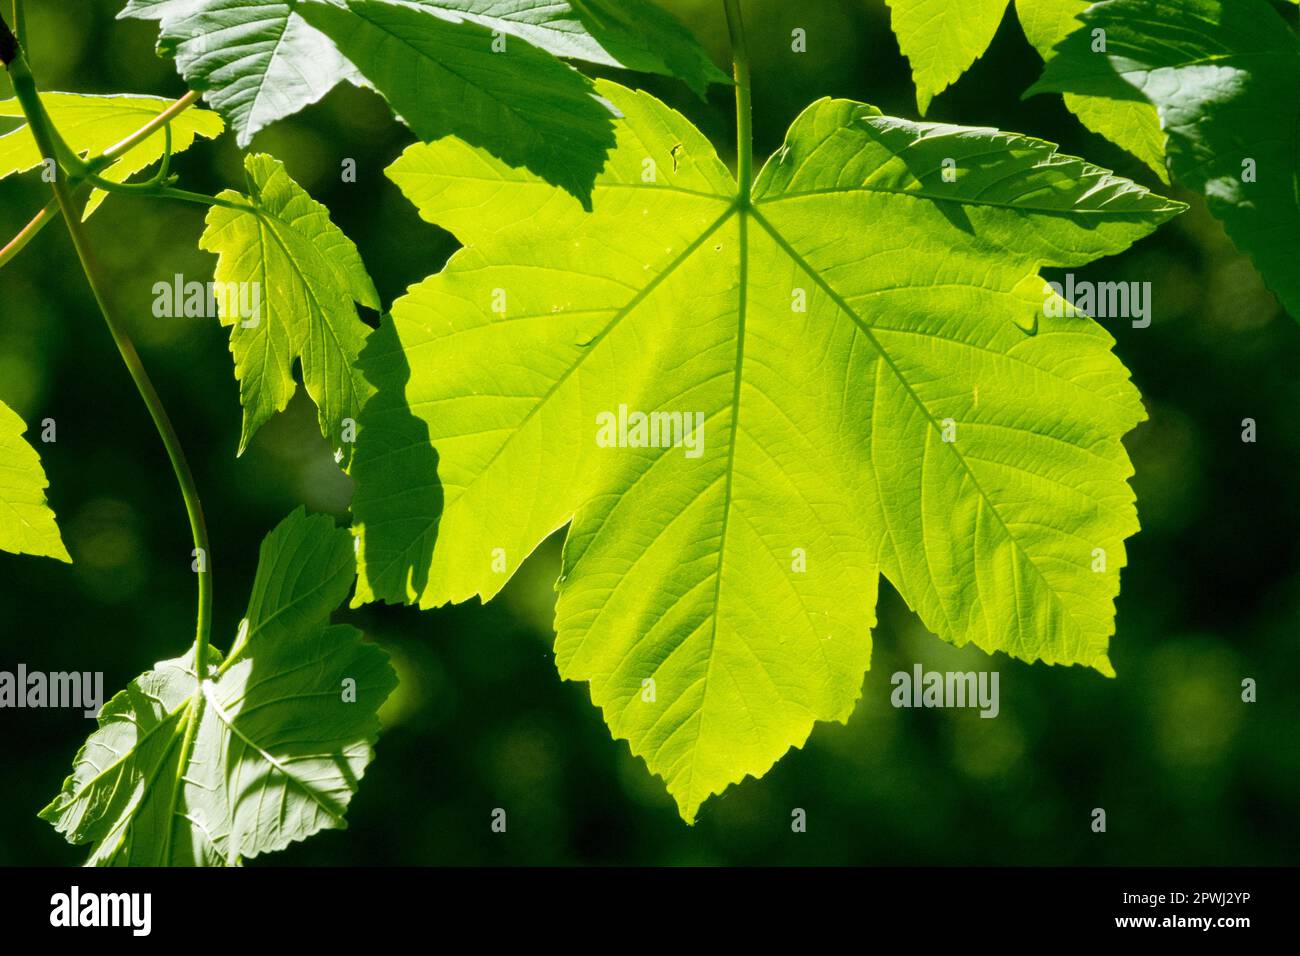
20	23
51	210
168	192
162	120
744	107
165	169
45	137
29	232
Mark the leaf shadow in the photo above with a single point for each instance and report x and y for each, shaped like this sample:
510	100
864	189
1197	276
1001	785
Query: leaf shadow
397	563
898	141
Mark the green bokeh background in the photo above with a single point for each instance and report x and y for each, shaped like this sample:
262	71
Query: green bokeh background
1186	771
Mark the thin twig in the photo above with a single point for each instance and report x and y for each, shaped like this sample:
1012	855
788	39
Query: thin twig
29	232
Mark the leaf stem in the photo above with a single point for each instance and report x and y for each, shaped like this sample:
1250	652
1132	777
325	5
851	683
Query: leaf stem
744	108
148	129
45	136
47	215
169	192
29	232
165	169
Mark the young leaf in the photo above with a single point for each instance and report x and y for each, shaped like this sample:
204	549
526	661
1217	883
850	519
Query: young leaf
91	124
1226	94
1131	124
865	378
278	249
26	521
441	77
256	62
265	750
942	39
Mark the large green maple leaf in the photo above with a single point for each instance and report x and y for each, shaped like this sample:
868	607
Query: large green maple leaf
872	385
256	751
26	520
1225	79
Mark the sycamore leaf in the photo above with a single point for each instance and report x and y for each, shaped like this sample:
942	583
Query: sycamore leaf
268	748
441	77
92	124
289	278
1131	124
632	34
1225	82
747	413
255	62
436	61
942	39
26	522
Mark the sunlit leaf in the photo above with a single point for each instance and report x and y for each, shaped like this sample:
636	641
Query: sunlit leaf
291	279
26	520
92	124
865	381
260	749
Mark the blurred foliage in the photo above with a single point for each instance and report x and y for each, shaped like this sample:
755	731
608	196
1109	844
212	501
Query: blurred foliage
1186	771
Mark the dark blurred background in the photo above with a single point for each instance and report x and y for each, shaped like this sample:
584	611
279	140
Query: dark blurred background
1186	771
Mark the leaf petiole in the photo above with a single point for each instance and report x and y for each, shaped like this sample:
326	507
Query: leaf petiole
166	167
162	120
184	195
744	108
29	232
51	210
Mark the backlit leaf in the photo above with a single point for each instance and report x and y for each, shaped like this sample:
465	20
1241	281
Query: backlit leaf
1133	125
260	750
291	279
26	521
872	385
92	124
942	40
438	61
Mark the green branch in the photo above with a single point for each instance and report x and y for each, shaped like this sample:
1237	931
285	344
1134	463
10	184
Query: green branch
48	142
